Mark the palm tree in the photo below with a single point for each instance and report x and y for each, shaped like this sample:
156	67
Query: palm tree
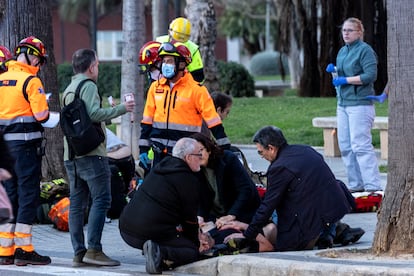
394	232
12	30
160	21
133	25
202	16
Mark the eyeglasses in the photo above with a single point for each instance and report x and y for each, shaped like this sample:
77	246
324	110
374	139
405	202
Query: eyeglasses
261	152
348	30
197	154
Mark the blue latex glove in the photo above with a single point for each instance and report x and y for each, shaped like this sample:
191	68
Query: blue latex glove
381	98
330	68
143	157
339	81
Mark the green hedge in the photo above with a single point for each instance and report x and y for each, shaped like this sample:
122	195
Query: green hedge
109	80
64	75
268	63
235	80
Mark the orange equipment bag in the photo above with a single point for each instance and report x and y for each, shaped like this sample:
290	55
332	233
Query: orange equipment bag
59	214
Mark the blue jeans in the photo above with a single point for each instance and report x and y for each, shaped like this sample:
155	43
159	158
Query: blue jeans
355	142
328	230
88	175
23	188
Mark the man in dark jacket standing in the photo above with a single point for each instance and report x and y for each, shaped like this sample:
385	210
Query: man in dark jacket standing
161	218
301	188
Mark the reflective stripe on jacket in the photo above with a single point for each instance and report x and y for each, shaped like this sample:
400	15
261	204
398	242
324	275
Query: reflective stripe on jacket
171	114
20	118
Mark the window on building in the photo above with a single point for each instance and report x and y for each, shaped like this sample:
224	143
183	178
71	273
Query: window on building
109	44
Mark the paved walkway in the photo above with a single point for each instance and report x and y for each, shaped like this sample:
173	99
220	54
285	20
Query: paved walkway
57	245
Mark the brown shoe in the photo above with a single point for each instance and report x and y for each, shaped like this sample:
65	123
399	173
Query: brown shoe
96	257
77	260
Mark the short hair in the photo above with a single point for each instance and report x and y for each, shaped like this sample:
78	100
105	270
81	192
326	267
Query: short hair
82	60
221	100
184	147
270	135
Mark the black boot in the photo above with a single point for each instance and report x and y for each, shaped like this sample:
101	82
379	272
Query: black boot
326	237
346	235
325	242
22	258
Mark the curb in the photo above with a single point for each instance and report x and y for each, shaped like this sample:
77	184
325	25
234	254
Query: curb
298	265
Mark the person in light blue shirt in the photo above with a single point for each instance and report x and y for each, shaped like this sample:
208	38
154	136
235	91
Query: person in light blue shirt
356	67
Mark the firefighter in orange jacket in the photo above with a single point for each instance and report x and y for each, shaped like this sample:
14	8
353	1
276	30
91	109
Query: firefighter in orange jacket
176	106
23	107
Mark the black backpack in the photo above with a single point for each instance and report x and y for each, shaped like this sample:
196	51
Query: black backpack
82	135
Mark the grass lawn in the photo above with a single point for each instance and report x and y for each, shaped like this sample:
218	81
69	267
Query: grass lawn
290	113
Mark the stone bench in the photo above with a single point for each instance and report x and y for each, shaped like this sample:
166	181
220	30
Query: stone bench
330	138
270	88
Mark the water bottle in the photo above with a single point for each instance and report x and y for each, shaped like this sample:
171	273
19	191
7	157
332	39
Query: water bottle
334	76
334	73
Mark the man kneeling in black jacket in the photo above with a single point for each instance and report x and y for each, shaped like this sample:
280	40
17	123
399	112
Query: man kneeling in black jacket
161	218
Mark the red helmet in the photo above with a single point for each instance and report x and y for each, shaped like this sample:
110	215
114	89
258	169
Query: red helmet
177	49
5	55
32	46
148	54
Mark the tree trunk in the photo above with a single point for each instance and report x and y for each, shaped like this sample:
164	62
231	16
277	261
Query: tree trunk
307	15
202	16
295	66
133	26
288	41
93	18
160	23
330	42
34	18
395	227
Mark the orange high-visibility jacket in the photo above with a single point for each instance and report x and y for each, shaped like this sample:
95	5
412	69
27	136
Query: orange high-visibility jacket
171	114
21	113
